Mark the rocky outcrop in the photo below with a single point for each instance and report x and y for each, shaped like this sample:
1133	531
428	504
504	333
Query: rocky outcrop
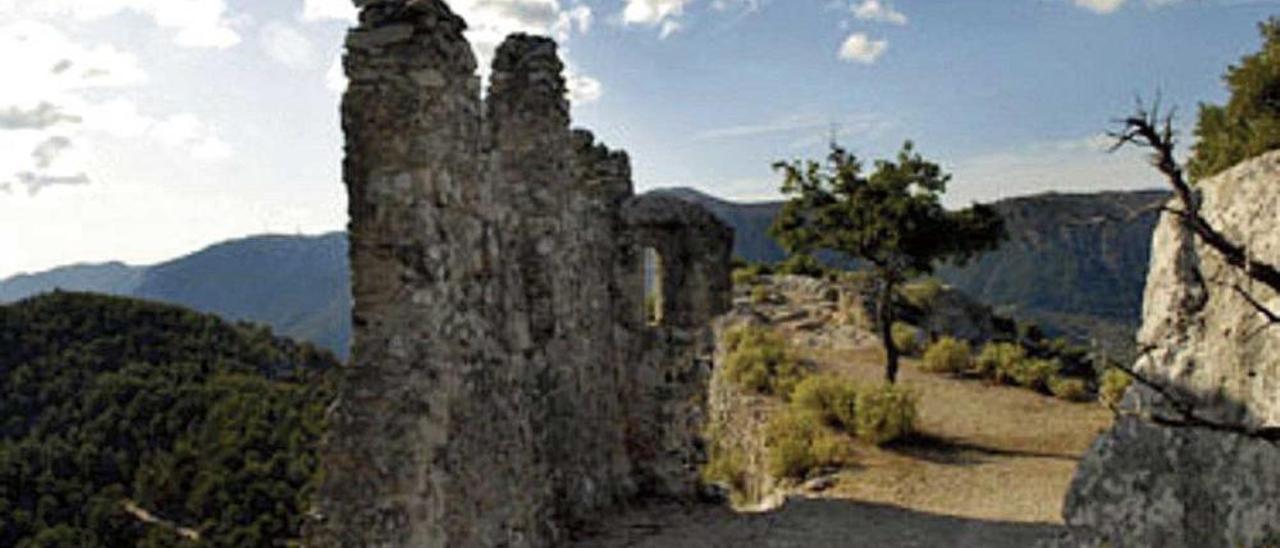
505	382
1148	485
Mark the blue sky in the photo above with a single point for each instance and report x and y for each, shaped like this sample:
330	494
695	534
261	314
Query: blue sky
140	130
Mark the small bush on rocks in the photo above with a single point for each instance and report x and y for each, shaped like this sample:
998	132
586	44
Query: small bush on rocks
1113	386
797	442
1034	374
998	360
948	355
757	359
1069	389
886	413
906	338
832	398
746	276
759	294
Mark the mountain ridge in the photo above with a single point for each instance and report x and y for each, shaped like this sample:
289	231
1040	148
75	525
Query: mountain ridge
1075	262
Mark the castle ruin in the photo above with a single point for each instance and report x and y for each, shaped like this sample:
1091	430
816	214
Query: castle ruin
506	383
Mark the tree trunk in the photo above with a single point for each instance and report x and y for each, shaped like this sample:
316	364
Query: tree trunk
885	316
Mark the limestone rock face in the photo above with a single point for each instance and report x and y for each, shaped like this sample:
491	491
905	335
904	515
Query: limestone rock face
505	384
1147	485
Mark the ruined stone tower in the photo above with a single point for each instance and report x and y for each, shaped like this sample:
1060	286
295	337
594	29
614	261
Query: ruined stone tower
505	382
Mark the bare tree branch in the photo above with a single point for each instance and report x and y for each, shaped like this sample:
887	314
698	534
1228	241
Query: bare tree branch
1148	129
1188	418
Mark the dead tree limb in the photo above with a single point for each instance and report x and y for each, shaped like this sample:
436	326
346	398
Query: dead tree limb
1186	410
1151	130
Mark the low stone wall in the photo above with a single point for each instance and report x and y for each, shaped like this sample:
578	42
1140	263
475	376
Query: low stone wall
505	384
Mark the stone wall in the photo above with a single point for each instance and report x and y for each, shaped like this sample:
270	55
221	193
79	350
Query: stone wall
505	384
1147	485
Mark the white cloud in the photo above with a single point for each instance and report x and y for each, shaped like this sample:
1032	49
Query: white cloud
1100	6
652	12
197	23
322	10
859	48
491	21
879	11
287	46
335	79
583	89
59	108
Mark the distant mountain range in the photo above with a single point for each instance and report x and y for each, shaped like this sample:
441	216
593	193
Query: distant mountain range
296	284
1076	263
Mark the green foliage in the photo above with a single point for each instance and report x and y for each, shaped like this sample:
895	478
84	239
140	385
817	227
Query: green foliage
906	338
757	359
1068	389
726	467
1249	124
892	219
1113	386
1033	373
832	398
802	264
886	413
797	442
922	293
759	295
997	360
948	355
745	276
208	425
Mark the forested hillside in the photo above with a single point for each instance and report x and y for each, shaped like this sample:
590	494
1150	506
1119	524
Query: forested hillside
296	284
118	412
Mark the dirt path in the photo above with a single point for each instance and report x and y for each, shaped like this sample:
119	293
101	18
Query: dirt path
990	467
985	452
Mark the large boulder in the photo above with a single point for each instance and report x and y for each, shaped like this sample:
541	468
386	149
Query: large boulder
1146	484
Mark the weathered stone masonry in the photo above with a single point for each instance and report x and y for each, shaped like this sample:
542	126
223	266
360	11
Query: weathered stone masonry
505	384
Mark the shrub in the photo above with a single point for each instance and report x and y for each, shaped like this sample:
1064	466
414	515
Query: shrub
745	276
948	355
1034	374
797	442
886	413
1113	386
922	293
997	360
906	338
727	468
759	295
757	359
832	398
1069	389
789	438
802	265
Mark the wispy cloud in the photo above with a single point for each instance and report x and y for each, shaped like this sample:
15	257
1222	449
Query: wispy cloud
195	23
798	124
1100	6
42	116
878	11
287	45
326	10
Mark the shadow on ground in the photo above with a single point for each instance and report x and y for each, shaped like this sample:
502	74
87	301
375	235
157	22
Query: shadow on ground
816	523
943	450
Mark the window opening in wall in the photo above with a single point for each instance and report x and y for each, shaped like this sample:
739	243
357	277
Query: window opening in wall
653	304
